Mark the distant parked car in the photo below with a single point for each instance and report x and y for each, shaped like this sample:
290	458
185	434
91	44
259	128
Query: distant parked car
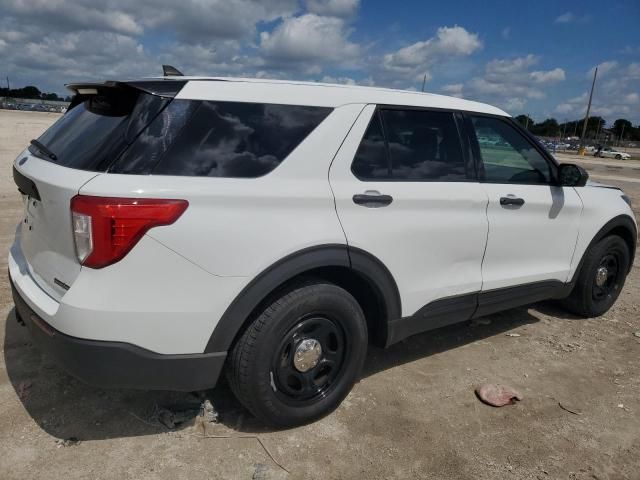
611	153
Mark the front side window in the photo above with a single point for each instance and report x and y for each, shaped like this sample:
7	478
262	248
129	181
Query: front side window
507	156
421	145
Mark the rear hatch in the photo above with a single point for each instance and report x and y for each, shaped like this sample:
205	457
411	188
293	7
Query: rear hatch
102	121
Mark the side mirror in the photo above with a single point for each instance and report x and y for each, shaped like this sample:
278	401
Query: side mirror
571	175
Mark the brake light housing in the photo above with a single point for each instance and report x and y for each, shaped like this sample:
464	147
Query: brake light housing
105	229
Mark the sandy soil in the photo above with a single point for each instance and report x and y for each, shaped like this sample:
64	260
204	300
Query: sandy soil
412	415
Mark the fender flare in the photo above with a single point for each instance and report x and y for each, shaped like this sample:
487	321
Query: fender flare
269	280
621	221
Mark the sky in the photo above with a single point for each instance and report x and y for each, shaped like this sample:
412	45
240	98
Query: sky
536	57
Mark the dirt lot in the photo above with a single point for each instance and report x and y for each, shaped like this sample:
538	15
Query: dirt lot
412	415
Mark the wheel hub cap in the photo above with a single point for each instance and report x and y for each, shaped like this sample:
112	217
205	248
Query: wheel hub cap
307	355
601	276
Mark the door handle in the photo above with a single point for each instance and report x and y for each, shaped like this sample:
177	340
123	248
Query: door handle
372	199
512	201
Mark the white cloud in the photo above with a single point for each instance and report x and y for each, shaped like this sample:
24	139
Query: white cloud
333	8
616	95
412	62
309	38
453	89
603	68
448	41
566	17
570	17
555	75
511	83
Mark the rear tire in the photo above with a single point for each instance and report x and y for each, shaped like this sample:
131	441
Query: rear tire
300	357
601	278
618	157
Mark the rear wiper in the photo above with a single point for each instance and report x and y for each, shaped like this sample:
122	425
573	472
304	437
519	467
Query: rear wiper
44	150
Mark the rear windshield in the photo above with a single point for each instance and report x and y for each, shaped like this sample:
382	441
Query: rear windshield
92	134
140	135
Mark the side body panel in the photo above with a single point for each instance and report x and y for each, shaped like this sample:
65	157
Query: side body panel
431	237
533	242
600	206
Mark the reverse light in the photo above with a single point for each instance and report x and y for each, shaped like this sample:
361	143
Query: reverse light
105	229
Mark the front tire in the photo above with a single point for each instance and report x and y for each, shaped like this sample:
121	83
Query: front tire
601	278
618	157
300	357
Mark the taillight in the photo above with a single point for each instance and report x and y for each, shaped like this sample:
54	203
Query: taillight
105	229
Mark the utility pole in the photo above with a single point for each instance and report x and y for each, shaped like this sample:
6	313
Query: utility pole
621	134
8	86
424	80
586	118
526	125
598	130
575	129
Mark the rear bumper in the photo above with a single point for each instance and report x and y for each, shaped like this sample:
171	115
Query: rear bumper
118	364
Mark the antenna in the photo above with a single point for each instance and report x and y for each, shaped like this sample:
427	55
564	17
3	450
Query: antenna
169	71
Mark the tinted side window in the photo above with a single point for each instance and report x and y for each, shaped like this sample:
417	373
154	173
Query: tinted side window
99	128
507	156
230	139
424	145
371	160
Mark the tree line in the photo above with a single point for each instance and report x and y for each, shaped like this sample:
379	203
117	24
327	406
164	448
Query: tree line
31	92
622	129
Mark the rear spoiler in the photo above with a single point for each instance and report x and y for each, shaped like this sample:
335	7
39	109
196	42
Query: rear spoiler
162	88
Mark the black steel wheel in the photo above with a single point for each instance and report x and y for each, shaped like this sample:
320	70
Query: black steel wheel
301	356
601	278
606	280
309	360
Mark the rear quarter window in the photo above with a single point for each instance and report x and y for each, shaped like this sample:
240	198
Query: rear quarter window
220	139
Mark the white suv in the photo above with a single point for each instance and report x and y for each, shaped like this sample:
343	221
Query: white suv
176	227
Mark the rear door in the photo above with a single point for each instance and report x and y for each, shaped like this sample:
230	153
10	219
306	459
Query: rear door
102	122
406	193
533	222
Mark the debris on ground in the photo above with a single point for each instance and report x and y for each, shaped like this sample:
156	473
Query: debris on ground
24	387
261	472
174	416
636	334
67	442
208	412
497	395
568	409
207	417
513	335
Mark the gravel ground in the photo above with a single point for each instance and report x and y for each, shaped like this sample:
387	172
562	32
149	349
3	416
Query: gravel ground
413	414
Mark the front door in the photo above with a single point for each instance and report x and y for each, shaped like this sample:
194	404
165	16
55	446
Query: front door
533	222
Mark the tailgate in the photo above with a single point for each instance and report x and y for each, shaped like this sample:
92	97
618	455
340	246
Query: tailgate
45	234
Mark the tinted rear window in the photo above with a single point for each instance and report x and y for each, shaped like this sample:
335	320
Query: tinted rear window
92	134
411	145
220	139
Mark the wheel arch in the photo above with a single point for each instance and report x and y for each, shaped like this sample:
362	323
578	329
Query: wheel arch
357	271
622	226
